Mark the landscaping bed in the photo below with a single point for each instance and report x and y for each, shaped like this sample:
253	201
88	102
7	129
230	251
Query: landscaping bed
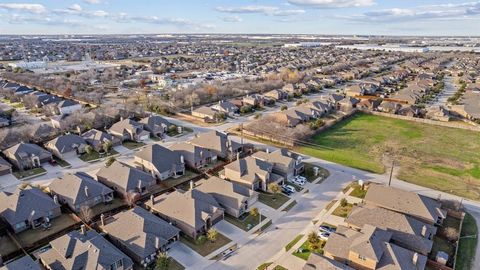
206	247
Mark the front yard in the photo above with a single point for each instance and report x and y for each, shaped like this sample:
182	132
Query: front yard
343	211
94	155
29	173
310	174
62	163
273	200
244	222
132	145
303	252
207	246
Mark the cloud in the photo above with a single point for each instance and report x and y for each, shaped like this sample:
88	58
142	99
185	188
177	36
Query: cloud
332	3
31	8
178	22
92	1
266	10
427	12
231	19
75	7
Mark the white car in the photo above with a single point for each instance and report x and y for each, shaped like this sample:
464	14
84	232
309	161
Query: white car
299	181
301	178
324	235
291	188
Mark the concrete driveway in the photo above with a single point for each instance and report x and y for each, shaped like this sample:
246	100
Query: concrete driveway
187	257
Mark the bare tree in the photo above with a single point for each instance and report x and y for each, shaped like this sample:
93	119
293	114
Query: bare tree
86	214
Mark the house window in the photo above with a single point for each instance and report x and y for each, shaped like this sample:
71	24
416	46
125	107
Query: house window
362	257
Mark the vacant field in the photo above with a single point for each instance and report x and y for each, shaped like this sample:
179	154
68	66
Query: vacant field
436	157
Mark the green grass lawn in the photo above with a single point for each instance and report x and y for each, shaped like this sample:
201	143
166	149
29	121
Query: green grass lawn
309	173
467	245
28	173
95	155
293	242
279	267
290	206
132	145
207	247
437	157
273	200
61	162
357	191
440	244
343	211
264	266
304	251
244	222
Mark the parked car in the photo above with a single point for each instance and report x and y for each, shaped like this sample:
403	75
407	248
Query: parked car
291	188
324	236
286	191
298	181
328	229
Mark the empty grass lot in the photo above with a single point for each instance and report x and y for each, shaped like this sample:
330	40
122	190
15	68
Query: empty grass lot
437	157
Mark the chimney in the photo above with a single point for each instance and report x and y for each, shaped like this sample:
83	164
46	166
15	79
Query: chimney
152	199
192	185
182	160
139	185
83	230
424	231
415	258
157	243
102	220
55	199
86	191
268	151
201	154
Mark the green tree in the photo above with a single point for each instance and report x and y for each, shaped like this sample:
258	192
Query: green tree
163	262
284	108
343	202
107	146
274	188
254	212
314	241
89	149
212	235
110	161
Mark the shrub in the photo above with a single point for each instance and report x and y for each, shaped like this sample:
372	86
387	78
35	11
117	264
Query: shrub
343	202
201	239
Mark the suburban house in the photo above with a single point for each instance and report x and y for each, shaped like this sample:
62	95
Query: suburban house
205	113
79	190
97	139
226	107
285	163
84	250
129	130
161	162
253	100
235	199
140	234
127	181
24	263
370	249
276	94
156	125
423	208
5	167
27	208
66	146
194	212
27	156
407	231
348	104
68	106
219	143
194	156
252	172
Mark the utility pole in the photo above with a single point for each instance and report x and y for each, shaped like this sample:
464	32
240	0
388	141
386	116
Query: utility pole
241	136
391	172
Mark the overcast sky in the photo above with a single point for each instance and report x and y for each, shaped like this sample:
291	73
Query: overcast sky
379	17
